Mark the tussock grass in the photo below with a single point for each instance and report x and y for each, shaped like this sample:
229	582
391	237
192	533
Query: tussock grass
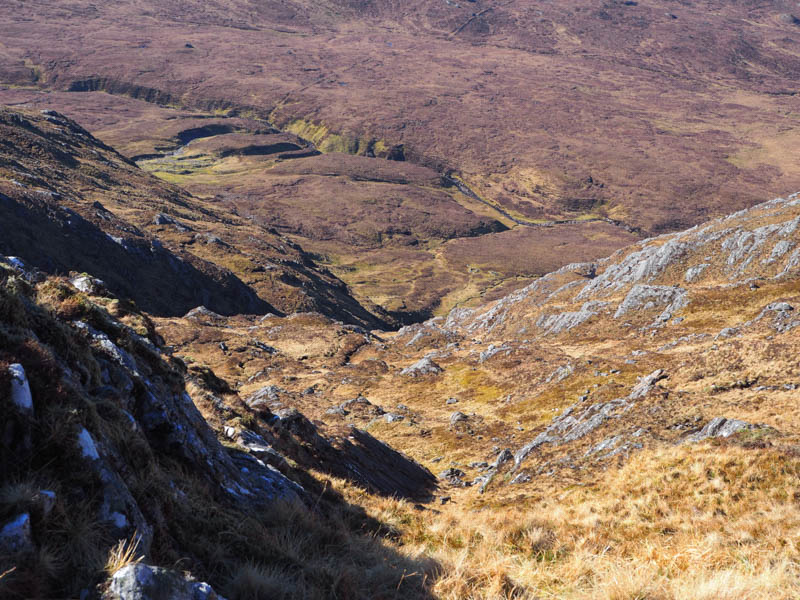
681	523
124	553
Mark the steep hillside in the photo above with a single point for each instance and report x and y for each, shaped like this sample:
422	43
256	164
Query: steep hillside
640	409
147	240
106	461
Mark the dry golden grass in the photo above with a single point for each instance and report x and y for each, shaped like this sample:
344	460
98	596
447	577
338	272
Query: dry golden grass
124	553
682	523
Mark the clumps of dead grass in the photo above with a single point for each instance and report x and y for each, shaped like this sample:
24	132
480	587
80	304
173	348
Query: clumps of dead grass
123	554
683	523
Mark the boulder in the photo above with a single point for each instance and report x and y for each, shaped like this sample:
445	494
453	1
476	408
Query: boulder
720	427
266	398
424	366
15	536
20	389
491	351
453	476
87	284
458	417
144	582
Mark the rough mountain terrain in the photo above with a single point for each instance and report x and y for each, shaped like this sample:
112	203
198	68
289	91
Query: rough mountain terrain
638	407
216	216
105	459
587	436
654	115
400	235
101	214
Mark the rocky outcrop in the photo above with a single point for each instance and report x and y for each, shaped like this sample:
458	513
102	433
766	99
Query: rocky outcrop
424	366
556	323
91	404
737	247
20	389
145	582
721	427
579	420
649	297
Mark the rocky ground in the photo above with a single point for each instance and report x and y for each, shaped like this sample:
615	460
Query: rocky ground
651	393
206	388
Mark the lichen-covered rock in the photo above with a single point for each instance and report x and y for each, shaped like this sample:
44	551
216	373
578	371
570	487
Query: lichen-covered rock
502	458
458	417
492	350
560	374
454	477
720	427
649	297
424	366
20	389
267	397
555	324
144	582
645	384
87	284
693	273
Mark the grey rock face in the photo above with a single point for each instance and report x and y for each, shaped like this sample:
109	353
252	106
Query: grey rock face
693	273
15	536
646	383
424	366
162	219
502	458
20	389
745	248
143	582
118	509
458	417
783	316
558	323
259	447
727	332
491	351
606	445
560	374
572	425
266	398
643	265
781	248
117	354
454	476
203	314
780	306
720	427
648	297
